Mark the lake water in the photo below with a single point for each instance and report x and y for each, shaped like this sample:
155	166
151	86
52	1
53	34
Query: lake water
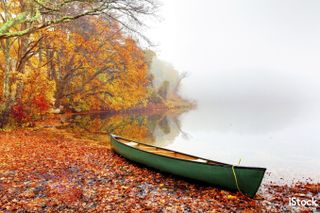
284	138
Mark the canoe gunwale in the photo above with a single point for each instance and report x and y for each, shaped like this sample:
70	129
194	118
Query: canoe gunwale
214	163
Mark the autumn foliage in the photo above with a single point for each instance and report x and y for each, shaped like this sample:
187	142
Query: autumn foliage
98	70
58	64
89	64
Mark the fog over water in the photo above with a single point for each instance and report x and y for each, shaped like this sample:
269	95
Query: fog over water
254	69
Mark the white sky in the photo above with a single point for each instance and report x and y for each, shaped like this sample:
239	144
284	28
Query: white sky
239	51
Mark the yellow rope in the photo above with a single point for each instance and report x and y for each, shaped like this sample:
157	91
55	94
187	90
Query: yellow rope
236	179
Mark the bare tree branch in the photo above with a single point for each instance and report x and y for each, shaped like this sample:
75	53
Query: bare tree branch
126	13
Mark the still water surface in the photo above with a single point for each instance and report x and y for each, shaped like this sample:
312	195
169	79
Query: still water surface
284	139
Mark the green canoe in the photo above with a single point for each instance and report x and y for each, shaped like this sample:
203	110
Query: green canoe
234	178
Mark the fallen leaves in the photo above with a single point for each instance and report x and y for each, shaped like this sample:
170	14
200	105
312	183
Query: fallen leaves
45	170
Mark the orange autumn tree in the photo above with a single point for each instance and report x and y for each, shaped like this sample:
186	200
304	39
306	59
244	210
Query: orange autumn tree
131	85
30	91
28	62
24	92
97	70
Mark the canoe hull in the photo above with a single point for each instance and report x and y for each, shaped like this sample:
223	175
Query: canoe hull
248	179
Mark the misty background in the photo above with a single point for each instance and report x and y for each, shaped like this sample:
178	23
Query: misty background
254	70
239	51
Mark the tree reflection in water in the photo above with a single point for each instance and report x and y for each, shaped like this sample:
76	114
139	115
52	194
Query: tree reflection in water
156	128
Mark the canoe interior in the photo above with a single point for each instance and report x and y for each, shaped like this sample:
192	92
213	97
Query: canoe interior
165	152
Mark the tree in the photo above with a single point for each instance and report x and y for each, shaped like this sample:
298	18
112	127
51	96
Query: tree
16	56
179	80
166	80
25	24
101	70
163	90
40	14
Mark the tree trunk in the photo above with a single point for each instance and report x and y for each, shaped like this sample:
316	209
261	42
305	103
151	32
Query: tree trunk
58	97
4	115
6	80
6	104
59	93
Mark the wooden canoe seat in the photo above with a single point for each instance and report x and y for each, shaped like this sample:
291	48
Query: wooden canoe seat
123	140
147	148
159	151
201	160
163	152
132	143
185	157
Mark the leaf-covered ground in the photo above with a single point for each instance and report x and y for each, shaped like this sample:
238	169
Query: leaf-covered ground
48	170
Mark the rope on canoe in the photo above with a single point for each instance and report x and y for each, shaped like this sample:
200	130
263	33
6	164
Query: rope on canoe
235	178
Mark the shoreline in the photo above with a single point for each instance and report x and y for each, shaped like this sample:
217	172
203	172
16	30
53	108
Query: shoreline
171	105
50	169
